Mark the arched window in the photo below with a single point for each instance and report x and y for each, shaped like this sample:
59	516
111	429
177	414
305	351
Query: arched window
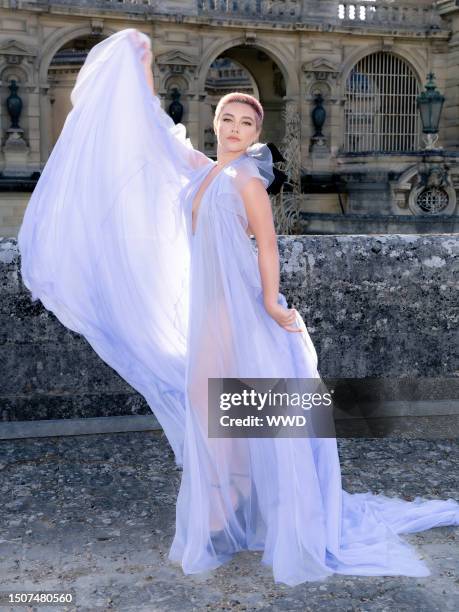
380	106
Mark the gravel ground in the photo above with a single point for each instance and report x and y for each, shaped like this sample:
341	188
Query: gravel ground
95	514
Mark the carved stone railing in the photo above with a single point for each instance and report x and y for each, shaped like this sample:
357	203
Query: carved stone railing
386	12
258	9
126	6
368	13
406	13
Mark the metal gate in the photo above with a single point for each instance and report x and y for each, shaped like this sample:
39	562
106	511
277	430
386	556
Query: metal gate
380	106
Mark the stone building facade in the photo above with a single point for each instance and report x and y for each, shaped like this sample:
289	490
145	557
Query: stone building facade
338	81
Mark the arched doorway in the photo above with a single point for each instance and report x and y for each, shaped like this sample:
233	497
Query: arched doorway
252	71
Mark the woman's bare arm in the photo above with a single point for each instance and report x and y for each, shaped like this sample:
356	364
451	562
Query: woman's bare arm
260	219
194	157
146	62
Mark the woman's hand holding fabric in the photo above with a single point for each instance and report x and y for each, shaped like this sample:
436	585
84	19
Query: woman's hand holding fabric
285	317
146	56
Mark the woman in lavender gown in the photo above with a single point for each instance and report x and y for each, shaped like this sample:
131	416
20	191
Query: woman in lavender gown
140	243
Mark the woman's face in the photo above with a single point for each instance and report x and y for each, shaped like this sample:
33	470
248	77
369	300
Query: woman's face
236	127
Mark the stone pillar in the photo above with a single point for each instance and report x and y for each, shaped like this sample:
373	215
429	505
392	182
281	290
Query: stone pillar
193	123
450	117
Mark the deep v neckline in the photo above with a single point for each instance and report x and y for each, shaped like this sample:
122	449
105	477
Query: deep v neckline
205	191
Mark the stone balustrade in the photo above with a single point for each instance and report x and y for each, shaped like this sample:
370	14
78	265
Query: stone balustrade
383	13
377	13
258	9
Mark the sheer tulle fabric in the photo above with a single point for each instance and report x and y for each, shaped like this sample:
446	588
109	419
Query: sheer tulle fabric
107	245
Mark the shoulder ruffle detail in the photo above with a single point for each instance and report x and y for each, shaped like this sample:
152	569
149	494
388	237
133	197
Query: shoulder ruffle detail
261	155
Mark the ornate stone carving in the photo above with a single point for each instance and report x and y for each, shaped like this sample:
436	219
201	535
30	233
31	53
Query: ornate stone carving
15	52
176	62
433	192
427	189
320	69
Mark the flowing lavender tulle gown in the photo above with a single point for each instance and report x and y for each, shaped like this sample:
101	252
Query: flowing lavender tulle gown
107	246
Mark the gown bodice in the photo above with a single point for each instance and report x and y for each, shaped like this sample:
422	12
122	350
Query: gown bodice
230	177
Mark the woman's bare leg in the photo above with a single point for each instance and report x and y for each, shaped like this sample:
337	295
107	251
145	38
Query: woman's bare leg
228	457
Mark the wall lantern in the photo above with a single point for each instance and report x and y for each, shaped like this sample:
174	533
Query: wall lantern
430	104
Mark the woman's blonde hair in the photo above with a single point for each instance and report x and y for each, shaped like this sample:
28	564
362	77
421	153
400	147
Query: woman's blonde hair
237	96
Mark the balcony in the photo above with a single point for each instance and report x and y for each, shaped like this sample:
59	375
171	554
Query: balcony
364	13
386	13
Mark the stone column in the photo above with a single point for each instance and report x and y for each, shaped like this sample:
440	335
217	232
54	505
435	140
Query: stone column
450	118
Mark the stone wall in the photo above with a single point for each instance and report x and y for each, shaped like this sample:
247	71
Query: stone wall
375	306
